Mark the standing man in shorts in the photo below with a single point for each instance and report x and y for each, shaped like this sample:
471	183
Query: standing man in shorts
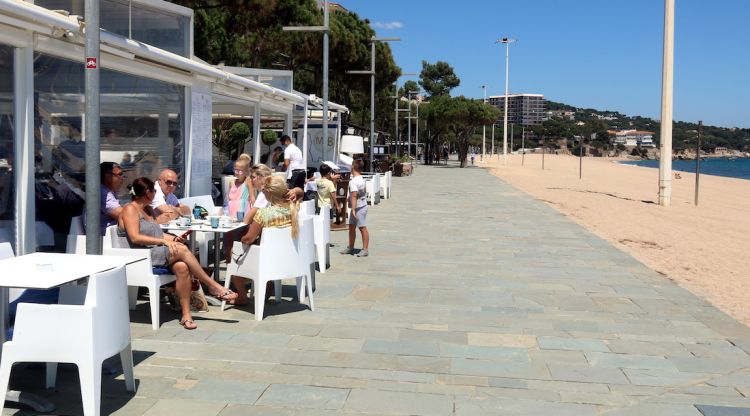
358	215
293	164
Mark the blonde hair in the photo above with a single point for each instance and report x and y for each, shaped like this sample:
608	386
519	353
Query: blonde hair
245	163
275	190
262	170
244	156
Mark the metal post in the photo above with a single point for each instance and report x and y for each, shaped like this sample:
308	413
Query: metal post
523	144
492	148
325	78
408	126
93	139
543	152
398	142
580	158
484	128
372	105
511	137
667	79
416	150
698	161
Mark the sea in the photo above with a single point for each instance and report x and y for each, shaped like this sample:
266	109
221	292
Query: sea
720	166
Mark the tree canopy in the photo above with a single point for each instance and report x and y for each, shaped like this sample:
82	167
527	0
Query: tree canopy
438	79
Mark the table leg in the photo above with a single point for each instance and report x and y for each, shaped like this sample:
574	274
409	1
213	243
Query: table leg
217	255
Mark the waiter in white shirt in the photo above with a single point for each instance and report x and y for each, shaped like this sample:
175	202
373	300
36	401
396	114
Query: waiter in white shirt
293	165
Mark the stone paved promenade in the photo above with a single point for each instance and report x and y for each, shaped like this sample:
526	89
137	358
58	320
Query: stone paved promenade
476	300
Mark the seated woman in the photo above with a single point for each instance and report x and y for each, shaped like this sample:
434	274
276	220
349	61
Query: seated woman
137	224
239	199
279	213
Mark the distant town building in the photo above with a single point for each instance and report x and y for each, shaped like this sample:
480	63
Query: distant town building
564	114
633	138
333	7
523	109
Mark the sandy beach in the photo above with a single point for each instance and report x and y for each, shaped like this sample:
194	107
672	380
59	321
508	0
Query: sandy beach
703	249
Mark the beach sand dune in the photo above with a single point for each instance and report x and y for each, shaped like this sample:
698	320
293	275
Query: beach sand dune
703	248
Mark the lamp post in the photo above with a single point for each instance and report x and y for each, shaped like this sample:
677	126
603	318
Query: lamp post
371	72
667	78
93	141
396	96
484	128
507	42
326	31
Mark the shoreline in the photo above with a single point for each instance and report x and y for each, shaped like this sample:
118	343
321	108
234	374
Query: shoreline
700	248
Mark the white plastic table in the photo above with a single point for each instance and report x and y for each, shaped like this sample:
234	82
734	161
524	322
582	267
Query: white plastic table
204	226
46	271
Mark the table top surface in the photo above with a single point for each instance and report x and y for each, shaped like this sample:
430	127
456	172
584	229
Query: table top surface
204	226
48	270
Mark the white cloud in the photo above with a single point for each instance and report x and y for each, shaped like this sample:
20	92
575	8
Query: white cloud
388	25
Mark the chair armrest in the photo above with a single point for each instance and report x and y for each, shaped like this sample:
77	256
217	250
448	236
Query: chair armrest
129	252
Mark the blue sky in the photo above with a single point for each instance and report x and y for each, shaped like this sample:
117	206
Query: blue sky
603	54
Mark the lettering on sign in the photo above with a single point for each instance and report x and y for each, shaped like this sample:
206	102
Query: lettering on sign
90	63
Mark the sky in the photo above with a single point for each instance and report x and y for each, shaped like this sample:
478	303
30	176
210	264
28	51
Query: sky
602	54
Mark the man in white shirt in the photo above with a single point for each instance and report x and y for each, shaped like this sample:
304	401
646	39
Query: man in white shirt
166	206
293	165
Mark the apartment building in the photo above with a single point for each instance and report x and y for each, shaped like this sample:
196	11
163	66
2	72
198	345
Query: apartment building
523	109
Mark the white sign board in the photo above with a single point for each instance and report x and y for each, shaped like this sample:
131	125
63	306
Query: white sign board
318	150
200	142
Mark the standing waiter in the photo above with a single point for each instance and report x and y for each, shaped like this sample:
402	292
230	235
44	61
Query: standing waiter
295	169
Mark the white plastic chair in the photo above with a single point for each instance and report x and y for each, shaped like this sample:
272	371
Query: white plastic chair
76	226
307	207
139	274
307	244
278	257
322	231
84	335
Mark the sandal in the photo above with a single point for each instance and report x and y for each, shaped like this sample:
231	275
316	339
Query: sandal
227	296
188	324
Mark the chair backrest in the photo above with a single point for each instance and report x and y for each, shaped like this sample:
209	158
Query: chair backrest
280	254
76	244
112	240
307	207
6	251
76	226
206	201
322	225
307	238
226	185
108	295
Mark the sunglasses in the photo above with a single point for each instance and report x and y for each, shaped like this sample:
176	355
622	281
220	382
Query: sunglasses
170	183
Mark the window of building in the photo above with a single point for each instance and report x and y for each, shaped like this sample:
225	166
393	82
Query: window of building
141	128
168	31
7	148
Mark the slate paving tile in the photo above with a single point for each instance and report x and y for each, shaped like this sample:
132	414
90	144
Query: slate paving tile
303	397
399	403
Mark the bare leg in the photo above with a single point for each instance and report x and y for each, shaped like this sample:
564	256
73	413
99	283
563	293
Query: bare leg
183	254
365	237
239	284
182	287
352	235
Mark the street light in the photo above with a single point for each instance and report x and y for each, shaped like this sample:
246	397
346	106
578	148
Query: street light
408	134
326	30
507	42
484	128
371	72
403	74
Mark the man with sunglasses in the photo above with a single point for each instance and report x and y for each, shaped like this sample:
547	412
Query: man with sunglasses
111	179
166	206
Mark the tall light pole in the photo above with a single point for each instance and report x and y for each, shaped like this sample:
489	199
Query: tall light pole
93	131
371	72
667	78
507	42
484	128
326	31
396	96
